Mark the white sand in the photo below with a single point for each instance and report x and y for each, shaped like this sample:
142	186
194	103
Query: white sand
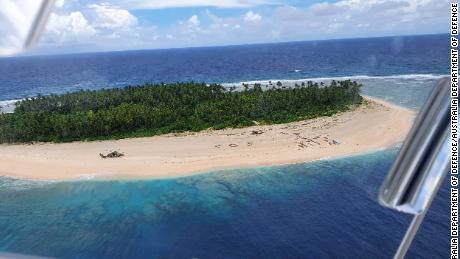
374	126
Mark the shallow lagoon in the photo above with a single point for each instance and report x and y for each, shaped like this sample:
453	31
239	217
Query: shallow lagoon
322	209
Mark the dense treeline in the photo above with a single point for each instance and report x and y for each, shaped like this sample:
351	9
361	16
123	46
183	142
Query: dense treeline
156	109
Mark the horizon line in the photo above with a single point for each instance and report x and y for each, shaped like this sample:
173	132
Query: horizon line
25	55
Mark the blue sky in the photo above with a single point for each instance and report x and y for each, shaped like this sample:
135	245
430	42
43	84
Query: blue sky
92	25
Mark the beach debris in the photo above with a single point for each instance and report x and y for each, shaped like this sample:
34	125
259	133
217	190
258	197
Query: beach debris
302	145
218	146
257	132
250	143
113	154
232	145
335	142
312	141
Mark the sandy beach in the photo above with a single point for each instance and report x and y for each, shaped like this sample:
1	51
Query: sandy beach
375	125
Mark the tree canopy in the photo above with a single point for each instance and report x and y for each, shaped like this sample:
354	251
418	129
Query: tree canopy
153	109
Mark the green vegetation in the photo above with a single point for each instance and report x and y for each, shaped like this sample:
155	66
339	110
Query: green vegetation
163	108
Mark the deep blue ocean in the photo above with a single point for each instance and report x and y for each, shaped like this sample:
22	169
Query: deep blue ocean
323	209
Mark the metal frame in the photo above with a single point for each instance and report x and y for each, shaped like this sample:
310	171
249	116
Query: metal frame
422	163
39	23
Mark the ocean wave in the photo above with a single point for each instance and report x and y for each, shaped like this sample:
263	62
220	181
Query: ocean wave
9	102
339	78
13	184
92	176
8	106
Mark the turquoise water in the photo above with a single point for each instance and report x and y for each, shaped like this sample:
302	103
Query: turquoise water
314	210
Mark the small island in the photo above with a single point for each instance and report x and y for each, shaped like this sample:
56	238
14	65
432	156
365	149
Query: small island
170	130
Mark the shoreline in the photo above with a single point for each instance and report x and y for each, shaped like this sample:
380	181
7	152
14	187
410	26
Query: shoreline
372	126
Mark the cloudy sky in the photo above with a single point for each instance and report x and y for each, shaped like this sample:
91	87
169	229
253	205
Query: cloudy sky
92	25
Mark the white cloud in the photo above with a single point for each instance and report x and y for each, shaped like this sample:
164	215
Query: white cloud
94	22
100	24
252	17
362	18
194	21
333	27
162	4
358	6
221	22
212	17
111	17
96	27
73	27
